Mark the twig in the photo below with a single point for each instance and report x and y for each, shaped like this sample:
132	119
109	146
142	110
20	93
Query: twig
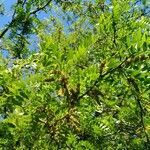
9	25
40	8
14	19
114	28
24	2
100	77
136	90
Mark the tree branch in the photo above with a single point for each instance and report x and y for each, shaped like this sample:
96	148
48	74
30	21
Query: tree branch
40	8
114	28
100	77
137	96
9	25
14	19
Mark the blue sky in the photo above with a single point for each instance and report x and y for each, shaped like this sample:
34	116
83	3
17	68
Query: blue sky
5	19
8	13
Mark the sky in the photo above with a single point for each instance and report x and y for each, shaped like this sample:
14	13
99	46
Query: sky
7	18
8	10
4	20
8	4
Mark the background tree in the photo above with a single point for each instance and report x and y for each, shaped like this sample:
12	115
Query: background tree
86	85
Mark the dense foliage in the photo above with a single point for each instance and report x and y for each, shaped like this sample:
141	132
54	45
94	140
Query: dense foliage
86	84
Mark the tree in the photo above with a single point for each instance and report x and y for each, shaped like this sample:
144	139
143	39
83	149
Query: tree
86	86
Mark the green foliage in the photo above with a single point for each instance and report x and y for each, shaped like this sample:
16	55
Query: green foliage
82	89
